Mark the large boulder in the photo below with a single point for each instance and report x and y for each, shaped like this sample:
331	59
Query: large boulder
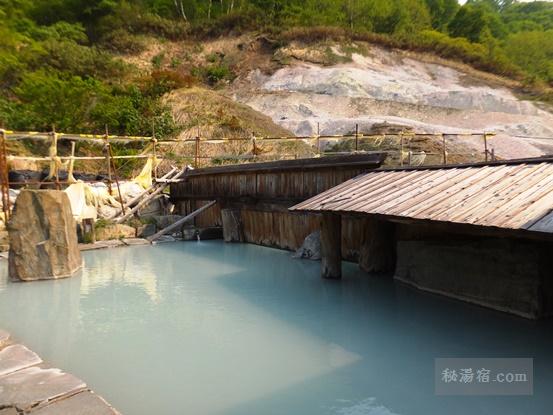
43	237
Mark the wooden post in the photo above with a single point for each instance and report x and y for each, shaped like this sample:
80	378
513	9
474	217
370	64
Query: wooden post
154	150
89	231
4	176
232	225
444	150
116	181
486	146
409	152
197	152
331	246
318	140
356	137
57	167
378	247
401	148
149	197
108	161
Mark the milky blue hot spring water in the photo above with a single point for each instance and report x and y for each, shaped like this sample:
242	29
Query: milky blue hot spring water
213	328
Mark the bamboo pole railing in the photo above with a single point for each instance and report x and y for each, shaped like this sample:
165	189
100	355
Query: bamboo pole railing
199	141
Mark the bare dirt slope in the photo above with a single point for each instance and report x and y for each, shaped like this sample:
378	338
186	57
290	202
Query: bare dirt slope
373	85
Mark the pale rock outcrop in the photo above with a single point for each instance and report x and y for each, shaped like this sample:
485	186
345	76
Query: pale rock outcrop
4	241
43	237
115	231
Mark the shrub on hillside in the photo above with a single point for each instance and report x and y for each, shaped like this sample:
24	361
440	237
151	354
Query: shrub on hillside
163	81
124	42
313	34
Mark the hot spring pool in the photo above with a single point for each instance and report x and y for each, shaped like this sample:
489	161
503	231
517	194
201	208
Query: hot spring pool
214	328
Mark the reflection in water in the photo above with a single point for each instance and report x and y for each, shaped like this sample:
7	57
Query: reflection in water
101	275
213	328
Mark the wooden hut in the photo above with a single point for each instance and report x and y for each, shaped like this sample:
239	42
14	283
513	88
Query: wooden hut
482	233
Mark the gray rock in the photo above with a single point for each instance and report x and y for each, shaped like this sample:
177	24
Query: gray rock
311	247
17	357
29	387
155	207
189	233
146	230
108	212
43	237
83	403
163	221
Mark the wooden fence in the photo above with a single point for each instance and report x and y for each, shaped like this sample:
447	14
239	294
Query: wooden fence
199	156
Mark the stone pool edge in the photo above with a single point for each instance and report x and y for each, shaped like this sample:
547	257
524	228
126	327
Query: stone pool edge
29	386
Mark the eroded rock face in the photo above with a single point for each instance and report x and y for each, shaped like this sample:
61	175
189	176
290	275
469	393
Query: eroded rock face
43	237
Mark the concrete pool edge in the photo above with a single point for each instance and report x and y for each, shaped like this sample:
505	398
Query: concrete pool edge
30	386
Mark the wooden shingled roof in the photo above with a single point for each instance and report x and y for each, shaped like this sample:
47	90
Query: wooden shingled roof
514	195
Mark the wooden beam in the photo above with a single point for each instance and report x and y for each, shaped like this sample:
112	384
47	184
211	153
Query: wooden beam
331	246
147	199
377	253
181	222
369	160
232	225
149	189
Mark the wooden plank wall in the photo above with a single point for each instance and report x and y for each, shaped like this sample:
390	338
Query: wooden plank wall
282	230
269	226
291	185
211	217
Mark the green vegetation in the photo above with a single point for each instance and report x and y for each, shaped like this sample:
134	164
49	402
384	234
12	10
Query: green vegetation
60	60
56	71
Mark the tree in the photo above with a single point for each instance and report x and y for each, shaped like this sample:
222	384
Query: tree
532	51
441	12
473	19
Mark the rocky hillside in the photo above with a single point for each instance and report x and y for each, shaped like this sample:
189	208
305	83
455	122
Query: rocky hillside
257	86
372	85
